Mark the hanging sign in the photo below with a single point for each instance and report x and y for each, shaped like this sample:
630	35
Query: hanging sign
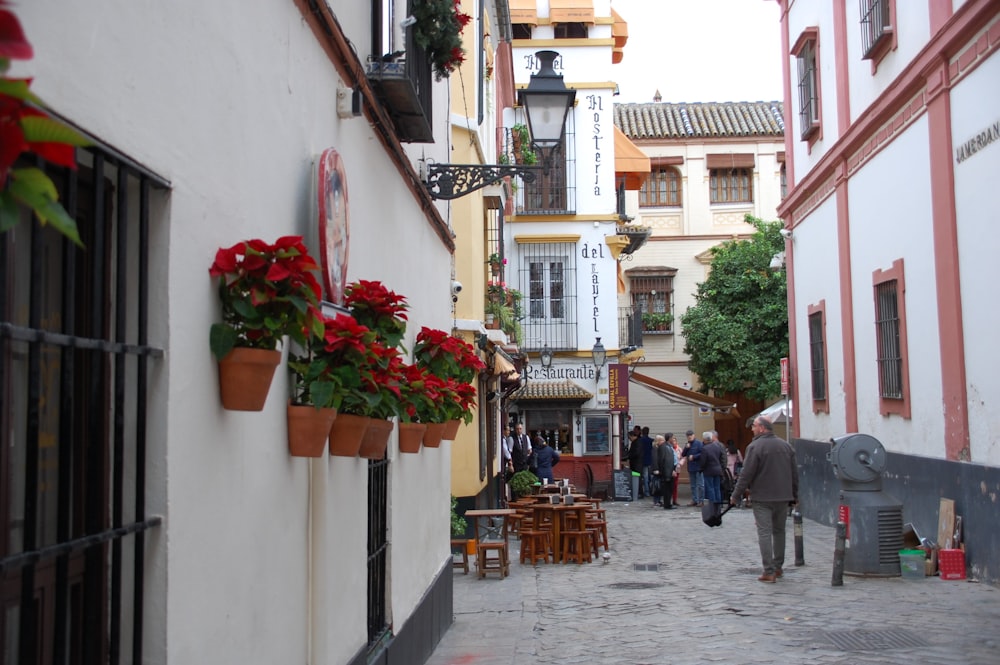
334	227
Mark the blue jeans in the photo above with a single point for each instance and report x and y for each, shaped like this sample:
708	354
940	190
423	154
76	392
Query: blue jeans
713	488
697	486
647	479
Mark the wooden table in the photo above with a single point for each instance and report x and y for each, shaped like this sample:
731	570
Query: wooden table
557	520
492	538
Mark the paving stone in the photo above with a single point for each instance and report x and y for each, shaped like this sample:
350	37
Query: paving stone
702	603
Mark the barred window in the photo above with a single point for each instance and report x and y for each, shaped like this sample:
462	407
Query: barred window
876	28
731	185
890	338
806	52
817	356
662	188
654	294
890	362
547	280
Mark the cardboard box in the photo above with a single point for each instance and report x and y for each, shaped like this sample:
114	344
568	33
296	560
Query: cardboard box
952	564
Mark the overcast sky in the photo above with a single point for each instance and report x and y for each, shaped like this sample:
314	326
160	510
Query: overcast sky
700	51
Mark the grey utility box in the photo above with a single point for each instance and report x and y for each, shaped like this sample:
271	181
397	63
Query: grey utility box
874	519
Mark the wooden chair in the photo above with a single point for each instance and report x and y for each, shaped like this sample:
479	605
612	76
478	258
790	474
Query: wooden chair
576	546
601	488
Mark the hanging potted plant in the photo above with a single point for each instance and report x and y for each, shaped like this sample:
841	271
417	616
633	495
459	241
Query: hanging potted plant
456	365
384	313
496	263
438	30
267	291
421	396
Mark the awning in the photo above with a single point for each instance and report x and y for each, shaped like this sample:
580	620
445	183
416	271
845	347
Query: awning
722	408
554	391
571	11
619	29
779	412
630	162
523	11
730	160
503	365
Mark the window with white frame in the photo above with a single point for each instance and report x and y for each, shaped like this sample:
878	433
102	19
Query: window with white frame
547	279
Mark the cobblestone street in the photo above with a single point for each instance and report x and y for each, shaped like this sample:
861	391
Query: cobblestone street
676	591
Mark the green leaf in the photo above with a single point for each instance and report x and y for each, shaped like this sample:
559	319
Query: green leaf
36	190
18	89
221	339
42	129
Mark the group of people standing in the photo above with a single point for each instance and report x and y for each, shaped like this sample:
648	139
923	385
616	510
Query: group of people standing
712	468
521	452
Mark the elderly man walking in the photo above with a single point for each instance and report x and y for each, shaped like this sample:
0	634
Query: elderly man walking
771	475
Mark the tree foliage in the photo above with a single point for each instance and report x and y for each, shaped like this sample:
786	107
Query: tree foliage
737	332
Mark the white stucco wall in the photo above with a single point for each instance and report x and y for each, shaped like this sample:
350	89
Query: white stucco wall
975	106
912	29
816	269
803	15
232	103
890	212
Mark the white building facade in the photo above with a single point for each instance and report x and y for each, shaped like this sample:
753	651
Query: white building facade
712	164
893	141
147	520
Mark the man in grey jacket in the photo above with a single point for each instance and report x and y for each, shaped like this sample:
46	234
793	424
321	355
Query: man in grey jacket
771	475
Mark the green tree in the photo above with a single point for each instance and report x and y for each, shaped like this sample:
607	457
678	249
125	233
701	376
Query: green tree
738	330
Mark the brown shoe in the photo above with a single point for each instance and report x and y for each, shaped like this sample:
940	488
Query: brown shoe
778	572
767	578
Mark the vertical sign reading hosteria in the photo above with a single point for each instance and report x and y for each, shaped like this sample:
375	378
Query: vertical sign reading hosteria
617	387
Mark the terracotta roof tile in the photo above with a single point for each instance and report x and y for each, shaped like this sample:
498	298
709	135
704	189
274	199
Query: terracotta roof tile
667	120
565	390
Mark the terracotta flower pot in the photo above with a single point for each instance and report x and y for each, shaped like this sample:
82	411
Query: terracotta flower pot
451	429
410	436
346	434
376	439
432	437
245	378
308	430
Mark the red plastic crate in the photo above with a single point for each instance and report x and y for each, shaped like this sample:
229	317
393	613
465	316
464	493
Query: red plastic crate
951	564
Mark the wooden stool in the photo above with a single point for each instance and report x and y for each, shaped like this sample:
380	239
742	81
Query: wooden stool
535	545
499	563
600	528
575	546
463	563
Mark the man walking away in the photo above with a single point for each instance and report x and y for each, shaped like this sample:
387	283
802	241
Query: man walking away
692	453
770	472
712	456
664	465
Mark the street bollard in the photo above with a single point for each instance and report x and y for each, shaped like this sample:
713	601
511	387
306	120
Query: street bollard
797	528
838	555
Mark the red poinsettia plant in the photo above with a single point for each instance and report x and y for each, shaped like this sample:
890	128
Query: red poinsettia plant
25	128
267	291
455	366
438	30
355	365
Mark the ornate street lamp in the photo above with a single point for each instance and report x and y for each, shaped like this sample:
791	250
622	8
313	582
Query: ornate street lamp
546	356
546	102
600	356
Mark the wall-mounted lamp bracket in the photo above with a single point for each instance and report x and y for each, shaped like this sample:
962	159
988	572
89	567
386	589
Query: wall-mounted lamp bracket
450	181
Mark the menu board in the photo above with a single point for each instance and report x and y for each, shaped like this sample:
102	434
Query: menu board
623	484
597	431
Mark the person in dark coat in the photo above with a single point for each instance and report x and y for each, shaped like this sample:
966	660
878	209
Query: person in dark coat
546	457
712	456
646	444
635	464
772	476
692	453
664	464
520	452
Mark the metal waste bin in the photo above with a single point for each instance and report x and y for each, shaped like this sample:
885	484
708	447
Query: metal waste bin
874	518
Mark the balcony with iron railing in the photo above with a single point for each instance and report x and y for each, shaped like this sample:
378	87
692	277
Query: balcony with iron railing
402	81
